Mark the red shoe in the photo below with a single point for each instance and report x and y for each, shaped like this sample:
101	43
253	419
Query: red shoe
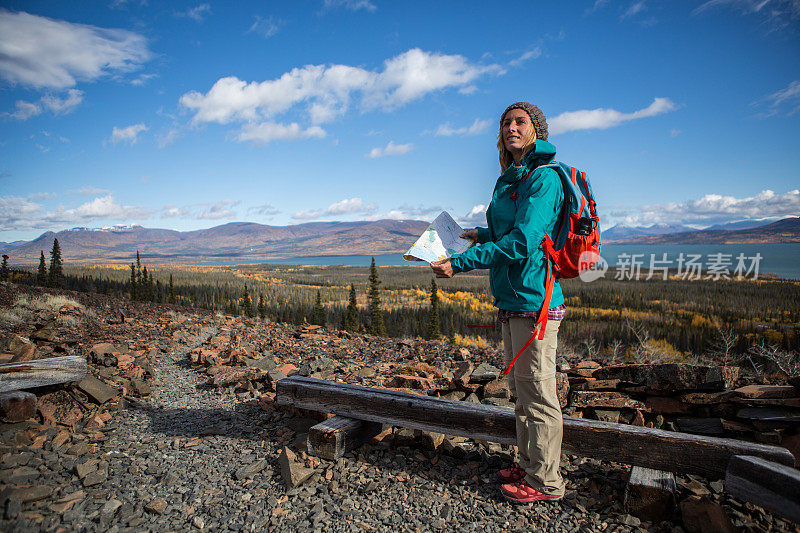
512	474
522	492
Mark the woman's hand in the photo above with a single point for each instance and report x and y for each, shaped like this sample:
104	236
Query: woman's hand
470	234
442	269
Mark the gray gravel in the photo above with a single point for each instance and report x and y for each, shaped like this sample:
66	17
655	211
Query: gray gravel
195	458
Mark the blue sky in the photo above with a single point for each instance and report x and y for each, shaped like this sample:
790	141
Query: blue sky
187	115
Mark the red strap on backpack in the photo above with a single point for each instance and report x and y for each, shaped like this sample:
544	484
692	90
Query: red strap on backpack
541	322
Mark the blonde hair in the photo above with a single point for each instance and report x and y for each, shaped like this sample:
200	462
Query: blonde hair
506	158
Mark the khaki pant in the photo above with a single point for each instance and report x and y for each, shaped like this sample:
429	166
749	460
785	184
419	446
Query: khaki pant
533	381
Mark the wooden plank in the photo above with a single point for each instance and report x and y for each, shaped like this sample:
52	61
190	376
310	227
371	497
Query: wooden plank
41	372
650	494
17	406
651	448
336	436
770	485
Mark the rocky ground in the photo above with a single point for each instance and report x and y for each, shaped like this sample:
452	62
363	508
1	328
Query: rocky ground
187	437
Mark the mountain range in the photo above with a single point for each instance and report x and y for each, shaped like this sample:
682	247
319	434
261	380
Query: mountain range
237	241
782	231
248	241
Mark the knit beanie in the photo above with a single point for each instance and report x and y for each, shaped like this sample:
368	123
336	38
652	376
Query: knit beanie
537	118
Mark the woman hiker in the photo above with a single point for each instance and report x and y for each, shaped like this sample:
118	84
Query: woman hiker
525	205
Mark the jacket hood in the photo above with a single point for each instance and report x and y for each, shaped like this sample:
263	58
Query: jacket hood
542	154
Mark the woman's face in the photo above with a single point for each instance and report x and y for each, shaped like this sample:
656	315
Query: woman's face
517	131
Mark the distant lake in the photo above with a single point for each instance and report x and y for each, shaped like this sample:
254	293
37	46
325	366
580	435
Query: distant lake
780	259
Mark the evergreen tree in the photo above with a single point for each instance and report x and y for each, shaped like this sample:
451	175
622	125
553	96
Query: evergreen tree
133	281
56	276
41	275
377	326
433	316
262	308
351	316
318	316
138	293
145	293
4	274
171	292
247	303
159	292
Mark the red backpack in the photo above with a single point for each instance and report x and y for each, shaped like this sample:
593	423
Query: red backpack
576	247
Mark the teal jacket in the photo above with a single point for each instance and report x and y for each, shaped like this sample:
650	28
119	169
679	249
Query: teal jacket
511	246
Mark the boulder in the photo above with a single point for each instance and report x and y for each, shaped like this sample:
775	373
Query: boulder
604	399
292	471
97	390
672	376
484	373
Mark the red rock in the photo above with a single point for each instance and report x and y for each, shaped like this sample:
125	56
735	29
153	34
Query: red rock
267	401
227	376
60	439
496	389
286	368
588	364
26	352
672	376
411	382
597	384
582	372
102	348
58	408
562	389
701	515
706	398
766	391
16	406
666	405
614	400
124	360
638	419
429	369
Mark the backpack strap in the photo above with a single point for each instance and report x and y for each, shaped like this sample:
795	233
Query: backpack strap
541	322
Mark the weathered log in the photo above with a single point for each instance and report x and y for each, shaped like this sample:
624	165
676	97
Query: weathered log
41	372
651	448
764	483
650	494
17	406
336	436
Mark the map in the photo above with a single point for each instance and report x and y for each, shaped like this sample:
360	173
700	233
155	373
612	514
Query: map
440	241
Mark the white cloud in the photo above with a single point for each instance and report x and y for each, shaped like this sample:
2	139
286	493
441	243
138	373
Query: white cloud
59	106
674	132
25	110
790	95
265	27
775	14
391	149
530	54
326	91
42	196
62	106
269	131
202	211
600	119
633	9
352	5
217	210
197	13
476	216
267	210
142	79
717	208
345	207
477	127
127	134
18	214
89	191
47	53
